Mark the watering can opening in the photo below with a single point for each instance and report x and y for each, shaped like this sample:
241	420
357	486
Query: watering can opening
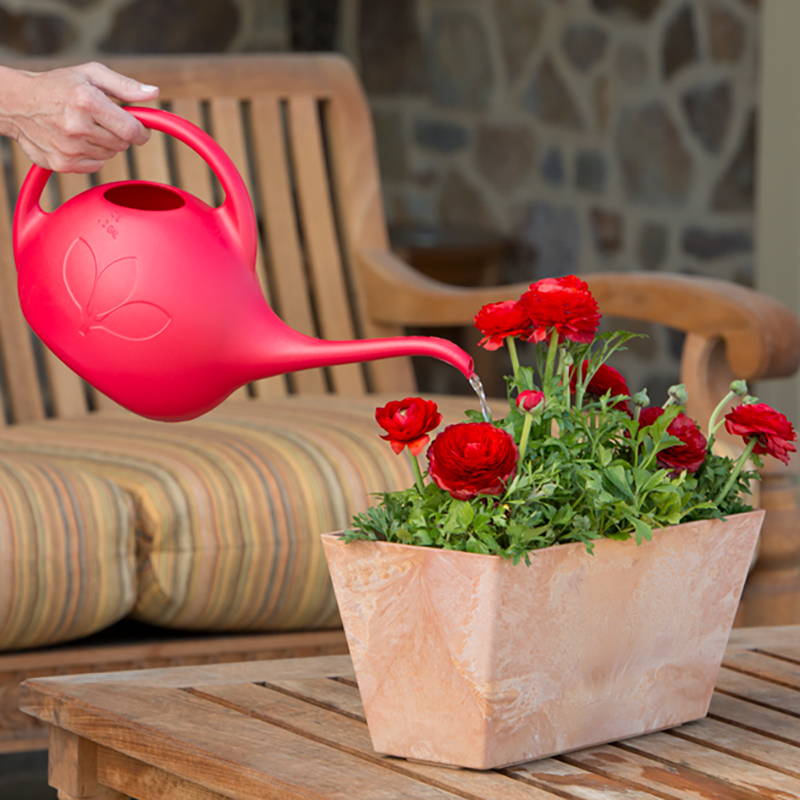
144	196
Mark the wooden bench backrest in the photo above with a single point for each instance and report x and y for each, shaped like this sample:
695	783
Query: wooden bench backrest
298	128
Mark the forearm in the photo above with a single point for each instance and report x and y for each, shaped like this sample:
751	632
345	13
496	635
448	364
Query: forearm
14	99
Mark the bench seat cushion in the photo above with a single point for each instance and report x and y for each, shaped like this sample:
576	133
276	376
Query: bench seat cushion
67	565
230	507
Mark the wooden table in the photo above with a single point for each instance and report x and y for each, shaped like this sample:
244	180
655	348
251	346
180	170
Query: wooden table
294	729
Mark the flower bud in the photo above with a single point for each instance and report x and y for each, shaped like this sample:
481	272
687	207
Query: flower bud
739	387
530	401
641	399
677	394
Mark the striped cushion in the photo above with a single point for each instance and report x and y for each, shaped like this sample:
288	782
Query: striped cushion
230	507
67	565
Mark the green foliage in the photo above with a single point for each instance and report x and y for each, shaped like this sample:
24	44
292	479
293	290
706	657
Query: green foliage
589	471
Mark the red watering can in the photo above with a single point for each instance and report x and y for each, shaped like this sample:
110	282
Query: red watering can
151	295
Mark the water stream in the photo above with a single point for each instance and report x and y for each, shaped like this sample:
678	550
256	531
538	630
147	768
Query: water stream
475	383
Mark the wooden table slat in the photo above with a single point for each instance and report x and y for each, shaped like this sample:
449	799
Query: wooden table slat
783	650
665	779
744	774
326	692
774	669
742	743
750	716
759	691
763	638
184	677
563	777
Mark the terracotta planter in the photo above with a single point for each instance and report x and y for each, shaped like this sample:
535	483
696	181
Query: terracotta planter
470	660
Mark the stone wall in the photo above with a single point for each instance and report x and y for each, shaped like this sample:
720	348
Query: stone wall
600	133
594	134
87	29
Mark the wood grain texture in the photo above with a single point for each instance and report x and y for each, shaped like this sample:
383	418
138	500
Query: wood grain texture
763	665
295	728
329	284
19	731
68	390
24	402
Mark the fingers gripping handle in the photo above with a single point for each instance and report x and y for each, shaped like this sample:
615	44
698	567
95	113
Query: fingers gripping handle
237	210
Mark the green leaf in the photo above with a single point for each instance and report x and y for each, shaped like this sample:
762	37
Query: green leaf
620	481
463	512
642	530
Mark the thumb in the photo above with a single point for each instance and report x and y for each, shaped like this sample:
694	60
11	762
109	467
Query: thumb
119	86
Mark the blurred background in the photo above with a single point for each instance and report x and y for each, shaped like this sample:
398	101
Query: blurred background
517	138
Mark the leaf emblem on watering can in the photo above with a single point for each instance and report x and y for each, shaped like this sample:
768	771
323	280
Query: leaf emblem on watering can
104	296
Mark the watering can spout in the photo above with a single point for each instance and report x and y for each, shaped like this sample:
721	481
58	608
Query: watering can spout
294	351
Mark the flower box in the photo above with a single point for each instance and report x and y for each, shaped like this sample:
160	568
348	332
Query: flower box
470	660
560	576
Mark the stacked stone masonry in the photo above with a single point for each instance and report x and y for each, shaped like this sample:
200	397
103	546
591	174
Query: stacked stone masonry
594	134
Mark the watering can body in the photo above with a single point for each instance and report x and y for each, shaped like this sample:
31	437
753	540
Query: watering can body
151	295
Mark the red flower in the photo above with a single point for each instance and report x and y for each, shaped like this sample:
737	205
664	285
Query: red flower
407	423
496	321
529	400
688	456
565	304
472	458
774	433
605	379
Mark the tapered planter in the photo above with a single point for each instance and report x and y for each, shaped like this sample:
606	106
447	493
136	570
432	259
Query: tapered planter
470	660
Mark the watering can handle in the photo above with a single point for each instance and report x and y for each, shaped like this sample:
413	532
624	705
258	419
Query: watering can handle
236	210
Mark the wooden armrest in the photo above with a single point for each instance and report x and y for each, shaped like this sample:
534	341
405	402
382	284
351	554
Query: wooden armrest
761	336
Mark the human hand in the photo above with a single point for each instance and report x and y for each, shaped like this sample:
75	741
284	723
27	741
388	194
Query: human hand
65	119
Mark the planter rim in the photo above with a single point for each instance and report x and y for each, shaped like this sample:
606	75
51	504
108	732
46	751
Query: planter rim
337	536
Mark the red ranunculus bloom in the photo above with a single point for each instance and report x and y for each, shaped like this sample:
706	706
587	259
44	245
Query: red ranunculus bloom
564	304
605	379
408	422
472	458
496	321
774	433
527	401
688	456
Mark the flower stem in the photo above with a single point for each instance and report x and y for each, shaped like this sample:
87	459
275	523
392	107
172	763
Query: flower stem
714	422
526	431
512	353
565	378
417	472
737	468
548	366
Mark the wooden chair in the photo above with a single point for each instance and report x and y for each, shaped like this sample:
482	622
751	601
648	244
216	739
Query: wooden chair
299	129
